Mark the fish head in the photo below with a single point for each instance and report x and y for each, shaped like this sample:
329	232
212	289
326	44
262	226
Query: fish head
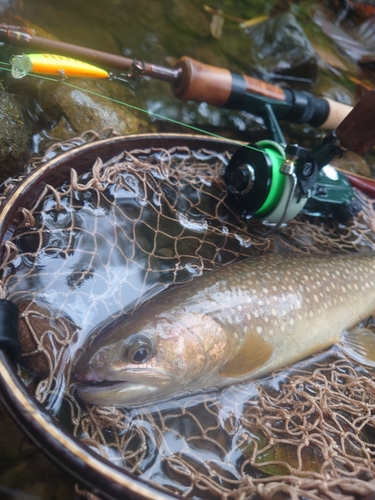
134	365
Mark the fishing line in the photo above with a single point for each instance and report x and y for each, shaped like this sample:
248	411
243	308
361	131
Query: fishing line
137	108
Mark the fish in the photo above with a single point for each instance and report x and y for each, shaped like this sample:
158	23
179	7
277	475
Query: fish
230	325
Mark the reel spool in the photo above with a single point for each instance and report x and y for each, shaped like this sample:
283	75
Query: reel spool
263	182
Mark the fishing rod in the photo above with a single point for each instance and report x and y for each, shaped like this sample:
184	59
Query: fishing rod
269	180
192	80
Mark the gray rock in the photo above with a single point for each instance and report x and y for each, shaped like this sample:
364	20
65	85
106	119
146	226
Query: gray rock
279	45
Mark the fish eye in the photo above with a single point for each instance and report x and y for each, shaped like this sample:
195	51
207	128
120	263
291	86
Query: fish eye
140	355
138	348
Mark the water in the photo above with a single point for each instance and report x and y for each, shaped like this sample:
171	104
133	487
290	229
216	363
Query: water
107	242
205	437
207	445
98	250
161	32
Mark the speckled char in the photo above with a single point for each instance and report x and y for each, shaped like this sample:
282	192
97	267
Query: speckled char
299	304
235	323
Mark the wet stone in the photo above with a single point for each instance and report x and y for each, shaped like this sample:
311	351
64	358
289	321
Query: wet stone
69	110
13	137
279	45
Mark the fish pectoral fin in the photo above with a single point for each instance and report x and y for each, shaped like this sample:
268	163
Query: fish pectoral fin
359	344
254	353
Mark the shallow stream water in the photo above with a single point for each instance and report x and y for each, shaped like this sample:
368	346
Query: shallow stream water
216	444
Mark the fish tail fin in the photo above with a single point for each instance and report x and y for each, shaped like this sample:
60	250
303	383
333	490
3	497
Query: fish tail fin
359	344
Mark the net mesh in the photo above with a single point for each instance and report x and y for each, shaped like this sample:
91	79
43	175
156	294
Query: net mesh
105	242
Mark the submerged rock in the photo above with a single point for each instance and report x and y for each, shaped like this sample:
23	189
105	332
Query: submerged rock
279	45
353	163
25	472
68	110
13	137
79	109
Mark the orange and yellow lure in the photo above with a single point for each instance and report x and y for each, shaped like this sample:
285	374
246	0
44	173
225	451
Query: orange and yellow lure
49	64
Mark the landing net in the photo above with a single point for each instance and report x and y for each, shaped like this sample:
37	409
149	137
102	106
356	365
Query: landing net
105	242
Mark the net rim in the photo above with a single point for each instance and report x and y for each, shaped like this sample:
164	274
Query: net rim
87	466
83	154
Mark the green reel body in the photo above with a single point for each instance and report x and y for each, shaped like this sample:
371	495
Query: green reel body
259	184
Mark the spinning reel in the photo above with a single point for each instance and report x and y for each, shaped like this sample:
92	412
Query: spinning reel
269	180
273	181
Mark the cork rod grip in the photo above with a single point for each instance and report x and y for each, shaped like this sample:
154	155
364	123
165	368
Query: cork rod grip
202	82
337	113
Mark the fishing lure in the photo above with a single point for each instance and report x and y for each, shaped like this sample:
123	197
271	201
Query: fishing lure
295	172
56	65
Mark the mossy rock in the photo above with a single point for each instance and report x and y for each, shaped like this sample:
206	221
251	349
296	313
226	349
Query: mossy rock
13	137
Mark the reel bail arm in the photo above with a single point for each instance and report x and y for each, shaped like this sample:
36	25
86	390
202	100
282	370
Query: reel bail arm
302	172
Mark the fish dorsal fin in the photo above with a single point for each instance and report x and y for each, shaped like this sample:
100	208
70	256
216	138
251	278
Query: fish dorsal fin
359	344
254	353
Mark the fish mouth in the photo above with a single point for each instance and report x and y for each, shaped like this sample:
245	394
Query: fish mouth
129	391
100	386
124	394
117	377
